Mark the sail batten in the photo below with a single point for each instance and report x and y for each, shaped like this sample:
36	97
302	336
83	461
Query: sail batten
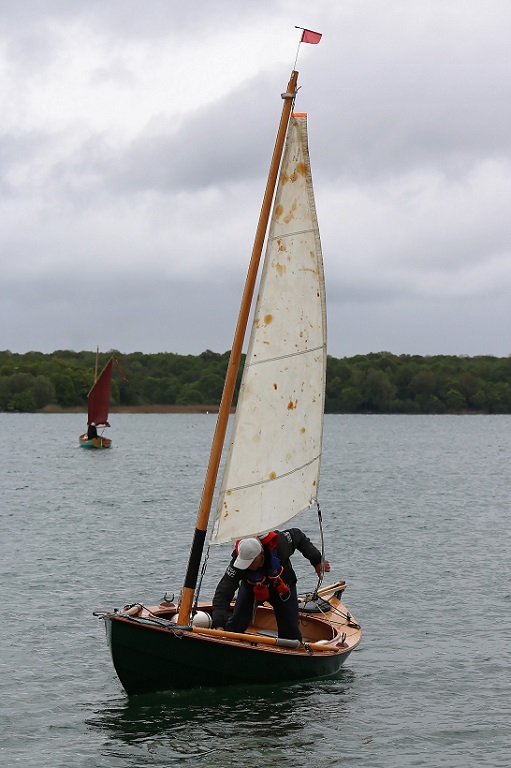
272	468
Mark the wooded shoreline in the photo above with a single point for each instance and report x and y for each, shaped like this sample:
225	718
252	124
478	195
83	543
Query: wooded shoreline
168	383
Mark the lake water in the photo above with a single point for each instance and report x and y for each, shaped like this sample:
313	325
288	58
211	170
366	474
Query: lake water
417	520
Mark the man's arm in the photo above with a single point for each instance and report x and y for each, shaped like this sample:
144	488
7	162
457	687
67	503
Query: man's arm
306	547
224	593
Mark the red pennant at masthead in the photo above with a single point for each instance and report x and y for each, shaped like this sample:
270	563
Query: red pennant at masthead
309	36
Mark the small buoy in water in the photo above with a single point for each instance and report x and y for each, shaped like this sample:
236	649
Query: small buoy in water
202	619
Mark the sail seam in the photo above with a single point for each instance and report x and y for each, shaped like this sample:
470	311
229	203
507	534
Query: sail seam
273	479
292	234
284	357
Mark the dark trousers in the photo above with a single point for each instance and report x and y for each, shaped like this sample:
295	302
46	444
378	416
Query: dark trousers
286	612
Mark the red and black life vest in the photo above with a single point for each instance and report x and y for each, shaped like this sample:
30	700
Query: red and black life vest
262	580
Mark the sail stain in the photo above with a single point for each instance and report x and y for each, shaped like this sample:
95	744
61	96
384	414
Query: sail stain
281	268
289	216
279	210
268	319
301	168
275	385
281	245
291	406
272	475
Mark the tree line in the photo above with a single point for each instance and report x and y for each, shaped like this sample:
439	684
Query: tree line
374	383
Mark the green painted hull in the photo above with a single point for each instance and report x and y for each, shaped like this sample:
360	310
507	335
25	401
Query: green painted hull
149	659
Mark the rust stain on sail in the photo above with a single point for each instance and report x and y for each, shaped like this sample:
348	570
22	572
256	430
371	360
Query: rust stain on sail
290	216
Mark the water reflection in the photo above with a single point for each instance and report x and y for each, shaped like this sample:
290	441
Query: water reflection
253	723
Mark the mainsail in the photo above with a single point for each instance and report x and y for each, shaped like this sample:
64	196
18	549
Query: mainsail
272	467
99	396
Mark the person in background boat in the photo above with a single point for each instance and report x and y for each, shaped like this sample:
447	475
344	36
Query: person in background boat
92	432
261	570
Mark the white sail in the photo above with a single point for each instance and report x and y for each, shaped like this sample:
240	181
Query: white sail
272	467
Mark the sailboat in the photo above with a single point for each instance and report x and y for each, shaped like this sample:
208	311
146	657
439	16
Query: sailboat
98	403
271	472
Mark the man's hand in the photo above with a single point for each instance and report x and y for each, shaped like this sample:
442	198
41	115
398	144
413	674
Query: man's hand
322	568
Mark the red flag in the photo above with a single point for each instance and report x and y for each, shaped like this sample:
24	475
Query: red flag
309	36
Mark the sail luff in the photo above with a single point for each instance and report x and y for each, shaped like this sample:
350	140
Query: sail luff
272	468
234	361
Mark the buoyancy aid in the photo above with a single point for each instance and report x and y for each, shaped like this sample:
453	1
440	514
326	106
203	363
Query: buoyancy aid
261	580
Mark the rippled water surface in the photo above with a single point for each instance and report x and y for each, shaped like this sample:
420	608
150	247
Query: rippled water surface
417	520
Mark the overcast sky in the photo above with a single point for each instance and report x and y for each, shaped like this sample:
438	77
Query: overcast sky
135	140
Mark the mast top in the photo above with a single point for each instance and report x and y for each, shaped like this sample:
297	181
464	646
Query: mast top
291	94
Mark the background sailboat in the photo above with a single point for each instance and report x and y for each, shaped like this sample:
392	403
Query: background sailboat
98	404
272	469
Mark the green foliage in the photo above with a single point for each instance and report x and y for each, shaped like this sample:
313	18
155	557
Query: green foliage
374	383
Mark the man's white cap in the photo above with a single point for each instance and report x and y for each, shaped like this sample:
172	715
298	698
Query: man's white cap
248	549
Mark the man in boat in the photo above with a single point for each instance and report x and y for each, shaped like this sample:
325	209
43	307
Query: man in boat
261	569
92	431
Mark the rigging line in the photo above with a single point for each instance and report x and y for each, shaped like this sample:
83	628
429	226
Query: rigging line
315	595
347	616
201	577
277	477
284	357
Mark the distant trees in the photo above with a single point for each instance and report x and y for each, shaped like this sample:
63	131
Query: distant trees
386	383
374	383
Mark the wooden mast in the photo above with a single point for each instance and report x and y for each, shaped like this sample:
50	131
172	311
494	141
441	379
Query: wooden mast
199	538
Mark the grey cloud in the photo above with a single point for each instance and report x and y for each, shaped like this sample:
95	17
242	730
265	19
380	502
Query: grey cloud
409	114
222	143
